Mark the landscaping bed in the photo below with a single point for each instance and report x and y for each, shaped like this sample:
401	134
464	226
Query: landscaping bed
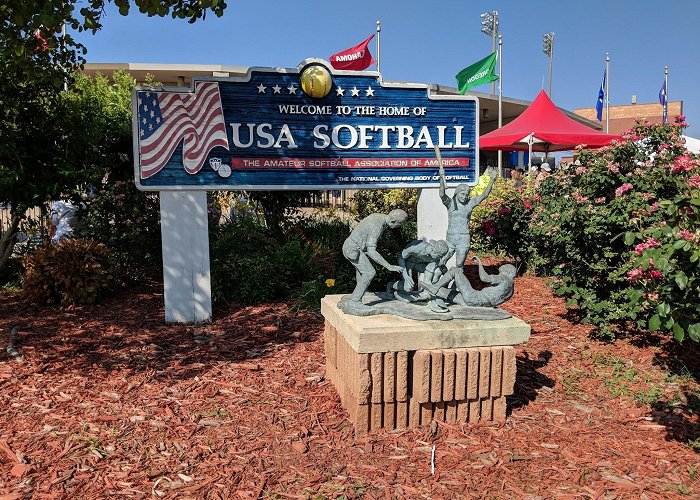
108	400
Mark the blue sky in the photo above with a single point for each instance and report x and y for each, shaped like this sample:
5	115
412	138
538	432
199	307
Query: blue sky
429	42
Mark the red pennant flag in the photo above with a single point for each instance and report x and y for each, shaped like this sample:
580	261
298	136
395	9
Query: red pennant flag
355	58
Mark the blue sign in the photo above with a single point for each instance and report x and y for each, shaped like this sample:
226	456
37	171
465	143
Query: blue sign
304	128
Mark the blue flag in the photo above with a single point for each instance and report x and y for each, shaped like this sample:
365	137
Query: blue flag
601	98
663	100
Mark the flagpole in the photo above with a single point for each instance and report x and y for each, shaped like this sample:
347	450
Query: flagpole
666	100
500	99
379	32
607	95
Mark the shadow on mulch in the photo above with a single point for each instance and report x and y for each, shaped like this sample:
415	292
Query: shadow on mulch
128	332
678	420
529	381
681	417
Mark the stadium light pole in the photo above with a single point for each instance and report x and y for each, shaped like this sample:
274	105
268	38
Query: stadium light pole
548	49
489	26
500	99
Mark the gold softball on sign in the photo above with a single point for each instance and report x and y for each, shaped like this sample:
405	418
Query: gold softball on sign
316	81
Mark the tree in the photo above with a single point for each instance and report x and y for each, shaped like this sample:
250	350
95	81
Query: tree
45	139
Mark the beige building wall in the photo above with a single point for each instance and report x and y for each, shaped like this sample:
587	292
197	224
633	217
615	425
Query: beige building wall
624	117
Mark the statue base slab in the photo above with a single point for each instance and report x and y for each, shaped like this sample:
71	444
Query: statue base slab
397	373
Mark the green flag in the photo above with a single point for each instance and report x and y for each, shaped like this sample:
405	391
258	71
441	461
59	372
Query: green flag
477	74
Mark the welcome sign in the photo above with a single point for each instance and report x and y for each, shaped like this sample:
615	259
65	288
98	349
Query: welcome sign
304	128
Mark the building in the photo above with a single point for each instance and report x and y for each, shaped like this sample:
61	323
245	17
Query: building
623	117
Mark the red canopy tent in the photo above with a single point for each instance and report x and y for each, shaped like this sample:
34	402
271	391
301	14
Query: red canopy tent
543	127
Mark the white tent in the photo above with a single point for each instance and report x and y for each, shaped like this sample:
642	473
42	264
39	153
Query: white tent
693	145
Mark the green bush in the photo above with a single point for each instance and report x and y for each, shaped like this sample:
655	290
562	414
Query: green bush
127	221
243	263
74	271
383	201
326	233
11	274
251	264
499	224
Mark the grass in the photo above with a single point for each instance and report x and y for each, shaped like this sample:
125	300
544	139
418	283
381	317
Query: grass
570	380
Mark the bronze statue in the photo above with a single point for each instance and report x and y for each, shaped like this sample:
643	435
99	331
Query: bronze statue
459	211
361	246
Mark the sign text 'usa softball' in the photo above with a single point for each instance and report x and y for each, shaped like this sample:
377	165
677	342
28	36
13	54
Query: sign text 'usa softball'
304	128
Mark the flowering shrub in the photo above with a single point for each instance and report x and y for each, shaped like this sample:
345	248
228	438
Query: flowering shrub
500	223
619	233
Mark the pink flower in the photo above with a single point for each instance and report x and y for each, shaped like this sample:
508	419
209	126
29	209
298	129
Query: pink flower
684	234
634	274
694	181
653	207
649	243
665	145
682	164
655	275
613	168
680	121
490	230
623	189
581	170
528	206
503	211
579	198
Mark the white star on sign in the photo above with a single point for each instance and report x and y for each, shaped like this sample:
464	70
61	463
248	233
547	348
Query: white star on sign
276	89
369	92
340	91
292	89
355	92
261	89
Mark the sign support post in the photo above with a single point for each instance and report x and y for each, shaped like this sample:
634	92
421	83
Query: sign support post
186	276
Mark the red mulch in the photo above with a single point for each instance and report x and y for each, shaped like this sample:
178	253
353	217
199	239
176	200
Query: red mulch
109	401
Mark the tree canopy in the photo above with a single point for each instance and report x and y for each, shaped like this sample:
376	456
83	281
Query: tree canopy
53	141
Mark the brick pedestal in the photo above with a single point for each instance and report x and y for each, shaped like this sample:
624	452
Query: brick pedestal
413	372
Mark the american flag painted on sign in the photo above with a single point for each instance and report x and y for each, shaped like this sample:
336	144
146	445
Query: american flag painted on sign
166	118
